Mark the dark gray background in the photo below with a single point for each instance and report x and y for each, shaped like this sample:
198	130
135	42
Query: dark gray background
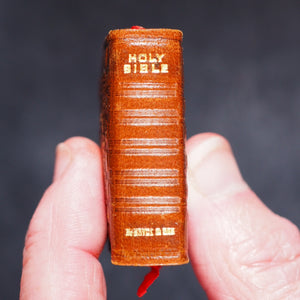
242	73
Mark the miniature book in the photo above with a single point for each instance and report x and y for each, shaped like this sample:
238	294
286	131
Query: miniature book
143	146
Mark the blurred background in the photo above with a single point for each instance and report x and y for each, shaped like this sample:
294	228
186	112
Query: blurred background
242	80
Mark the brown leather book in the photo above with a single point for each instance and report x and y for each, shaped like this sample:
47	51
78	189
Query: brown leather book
143	138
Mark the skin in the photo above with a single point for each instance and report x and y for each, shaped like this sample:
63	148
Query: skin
238	248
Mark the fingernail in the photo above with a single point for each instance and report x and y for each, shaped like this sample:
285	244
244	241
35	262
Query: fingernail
63	158
212	168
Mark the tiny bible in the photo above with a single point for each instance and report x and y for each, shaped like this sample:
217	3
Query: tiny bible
143	148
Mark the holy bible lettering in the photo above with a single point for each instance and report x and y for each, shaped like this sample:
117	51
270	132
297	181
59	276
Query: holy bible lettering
140	64
142	140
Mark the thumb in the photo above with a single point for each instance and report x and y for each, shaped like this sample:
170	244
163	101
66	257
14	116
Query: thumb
239	249
68	229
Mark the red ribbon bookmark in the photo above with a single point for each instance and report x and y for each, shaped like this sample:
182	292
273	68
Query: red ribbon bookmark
148	280
137	27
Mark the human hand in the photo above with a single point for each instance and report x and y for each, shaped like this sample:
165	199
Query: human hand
238	248
68	229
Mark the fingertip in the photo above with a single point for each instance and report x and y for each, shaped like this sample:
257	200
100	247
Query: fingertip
195	143
212	167
79	143
71	151
201	136
63	157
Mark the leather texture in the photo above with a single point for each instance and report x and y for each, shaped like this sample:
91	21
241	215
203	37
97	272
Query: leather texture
143	139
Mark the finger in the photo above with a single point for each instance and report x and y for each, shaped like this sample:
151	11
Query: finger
68	229
63	157
239	249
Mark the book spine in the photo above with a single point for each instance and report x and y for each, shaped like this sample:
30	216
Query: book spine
143	137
